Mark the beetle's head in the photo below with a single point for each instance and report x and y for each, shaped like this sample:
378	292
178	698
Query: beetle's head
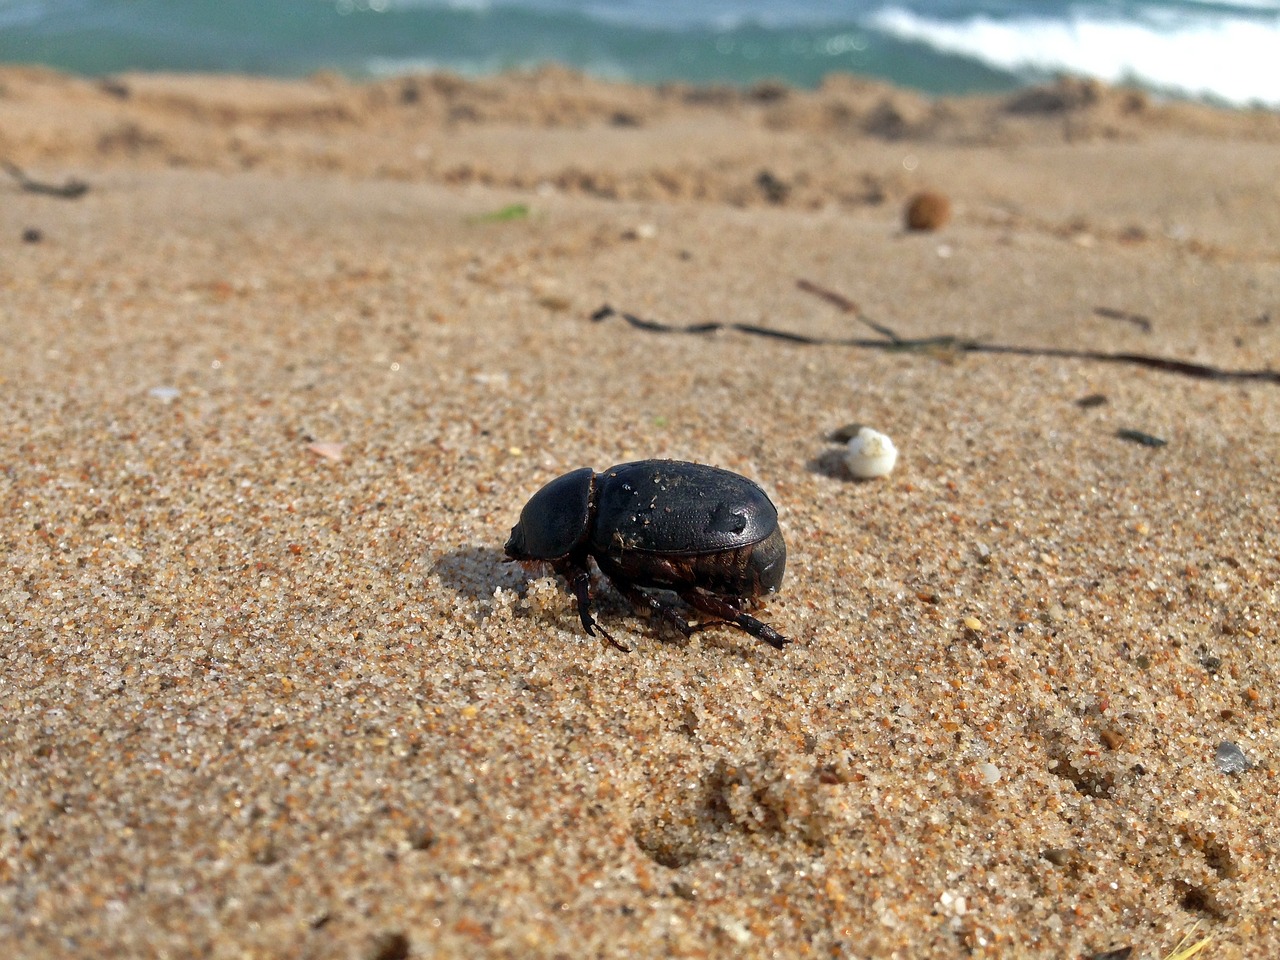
556	520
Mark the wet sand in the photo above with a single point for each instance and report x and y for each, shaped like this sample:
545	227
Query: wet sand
277	385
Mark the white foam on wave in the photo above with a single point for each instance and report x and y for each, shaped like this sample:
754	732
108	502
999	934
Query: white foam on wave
1220	57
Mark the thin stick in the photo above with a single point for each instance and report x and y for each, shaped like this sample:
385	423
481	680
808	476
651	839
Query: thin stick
847	305
68	191
899	344
1137	319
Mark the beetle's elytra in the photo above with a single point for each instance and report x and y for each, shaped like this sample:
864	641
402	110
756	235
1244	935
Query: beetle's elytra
706	534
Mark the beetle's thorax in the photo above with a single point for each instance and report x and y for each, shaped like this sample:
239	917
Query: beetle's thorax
558	519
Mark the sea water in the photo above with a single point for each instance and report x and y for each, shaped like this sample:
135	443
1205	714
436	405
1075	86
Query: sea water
1226	52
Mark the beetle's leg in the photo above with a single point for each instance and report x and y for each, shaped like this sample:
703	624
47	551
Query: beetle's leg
656	607
730	613
580	583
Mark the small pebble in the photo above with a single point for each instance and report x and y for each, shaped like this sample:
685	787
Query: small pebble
1059	856
164	394
1137	436
870	454
1230	758
927	211
774	188
330	451
552	301
391	946
1119	953
32	235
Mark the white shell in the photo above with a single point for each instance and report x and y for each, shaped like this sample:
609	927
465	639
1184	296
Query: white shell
870	454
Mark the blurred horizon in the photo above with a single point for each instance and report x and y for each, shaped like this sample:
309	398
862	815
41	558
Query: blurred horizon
1222	52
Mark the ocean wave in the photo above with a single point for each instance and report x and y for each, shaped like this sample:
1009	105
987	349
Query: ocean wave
1232	59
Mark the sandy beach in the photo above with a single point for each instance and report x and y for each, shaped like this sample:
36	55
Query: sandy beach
273	391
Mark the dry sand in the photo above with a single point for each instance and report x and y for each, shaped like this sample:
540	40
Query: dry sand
262	696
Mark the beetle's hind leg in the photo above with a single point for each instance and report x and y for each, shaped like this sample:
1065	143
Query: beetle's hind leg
731	613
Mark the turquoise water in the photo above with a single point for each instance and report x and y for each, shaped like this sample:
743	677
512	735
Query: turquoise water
1227	52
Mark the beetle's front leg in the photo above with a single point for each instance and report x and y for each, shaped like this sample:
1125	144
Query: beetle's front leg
580	583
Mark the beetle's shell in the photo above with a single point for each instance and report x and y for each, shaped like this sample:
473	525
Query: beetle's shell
556	519
670	507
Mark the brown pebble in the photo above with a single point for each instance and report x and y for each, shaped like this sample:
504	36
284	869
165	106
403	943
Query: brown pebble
927	211
1112	739
1119	953
391	946
774	188
551	301
683	890
1059	856
422	839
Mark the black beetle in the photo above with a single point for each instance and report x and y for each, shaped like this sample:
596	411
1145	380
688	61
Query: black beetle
706	534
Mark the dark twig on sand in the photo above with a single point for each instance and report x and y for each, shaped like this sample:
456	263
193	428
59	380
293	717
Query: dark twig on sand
846	305
1137	319
895	343
69	190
